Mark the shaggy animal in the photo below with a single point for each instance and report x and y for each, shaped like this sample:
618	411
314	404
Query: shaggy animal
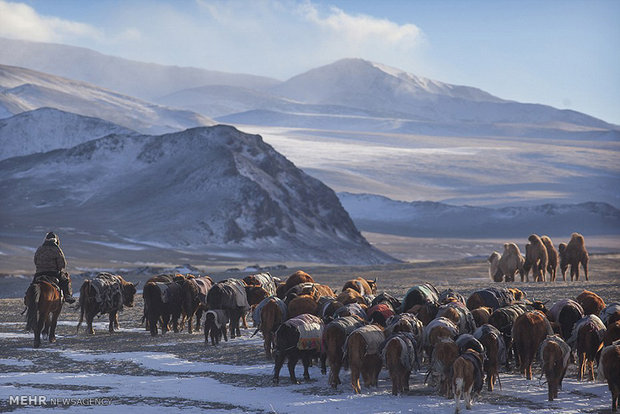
591	303
536	258
458	313
566	312
315	290
384	297
444	354
503	319
552	257
610	314
481	315
405	322
380	313
510	263
327	307
43	301
588	334
528	332
450	295
162	301
297	338
162	278
362	354
363	286
351	309
494	272
400	357
296	278
420	295
230	295
467	378
554	356
215	325
490	297
437	329
302	304
574	254
334	338
268	315
106	293
612	334
467	341
425	313
495	349
264	280
193	298
609	369
350	296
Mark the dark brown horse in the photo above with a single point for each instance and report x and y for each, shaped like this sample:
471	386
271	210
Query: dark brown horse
44	304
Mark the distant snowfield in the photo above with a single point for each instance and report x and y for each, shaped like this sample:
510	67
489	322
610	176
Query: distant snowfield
494	172
195	387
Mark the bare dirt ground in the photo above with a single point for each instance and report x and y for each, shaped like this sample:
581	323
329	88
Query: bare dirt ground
465	275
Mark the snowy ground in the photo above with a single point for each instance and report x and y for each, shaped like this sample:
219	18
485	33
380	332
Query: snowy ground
130	371
160	378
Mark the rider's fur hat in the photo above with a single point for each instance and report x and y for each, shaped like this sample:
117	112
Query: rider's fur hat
51	236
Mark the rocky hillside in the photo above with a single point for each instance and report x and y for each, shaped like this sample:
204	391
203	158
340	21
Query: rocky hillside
215	190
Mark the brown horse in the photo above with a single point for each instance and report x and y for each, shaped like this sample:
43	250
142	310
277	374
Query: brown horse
44	303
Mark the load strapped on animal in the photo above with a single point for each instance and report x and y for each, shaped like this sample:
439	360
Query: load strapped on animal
362	353
298	337
105	293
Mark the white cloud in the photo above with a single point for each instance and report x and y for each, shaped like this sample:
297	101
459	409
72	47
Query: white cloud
362	28
18	20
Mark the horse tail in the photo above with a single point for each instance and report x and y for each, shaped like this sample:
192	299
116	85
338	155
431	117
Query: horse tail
33	295
82	302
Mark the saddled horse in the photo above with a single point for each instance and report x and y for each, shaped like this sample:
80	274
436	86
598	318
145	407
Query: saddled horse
43	301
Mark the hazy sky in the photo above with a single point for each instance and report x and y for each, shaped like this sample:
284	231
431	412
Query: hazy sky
561	53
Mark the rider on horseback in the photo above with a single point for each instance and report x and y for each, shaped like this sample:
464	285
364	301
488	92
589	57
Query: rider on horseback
50	262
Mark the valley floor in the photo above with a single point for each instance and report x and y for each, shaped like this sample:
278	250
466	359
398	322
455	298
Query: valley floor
177	372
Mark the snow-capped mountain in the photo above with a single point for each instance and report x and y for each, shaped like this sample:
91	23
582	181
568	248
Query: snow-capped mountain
380	214
47	129
140	79
358	83
26	90
214	190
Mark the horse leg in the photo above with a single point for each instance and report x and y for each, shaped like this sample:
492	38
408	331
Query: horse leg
112	316
52	331
292	361
38	328
305	359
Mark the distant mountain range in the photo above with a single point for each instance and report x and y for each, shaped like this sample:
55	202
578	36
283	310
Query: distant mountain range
213	190
350	94
379	214
140	79
24	90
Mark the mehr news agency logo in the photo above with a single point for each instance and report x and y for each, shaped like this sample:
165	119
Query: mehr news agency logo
42	400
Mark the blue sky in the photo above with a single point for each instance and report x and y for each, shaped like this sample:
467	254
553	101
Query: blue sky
561	53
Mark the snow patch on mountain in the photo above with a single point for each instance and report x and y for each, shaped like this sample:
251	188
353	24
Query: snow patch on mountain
47	129
204	189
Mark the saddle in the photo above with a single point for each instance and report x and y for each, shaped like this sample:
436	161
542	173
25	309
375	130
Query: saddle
48	278
373	336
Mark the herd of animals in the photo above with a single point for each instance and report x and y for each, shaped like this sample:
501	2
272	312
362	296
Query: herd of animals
462	342
541	258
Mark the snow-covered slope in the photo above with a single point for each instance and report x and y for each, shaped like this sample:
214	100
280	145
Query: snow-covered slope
359	83
429	219
140	79
215	190
25	90
47	129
